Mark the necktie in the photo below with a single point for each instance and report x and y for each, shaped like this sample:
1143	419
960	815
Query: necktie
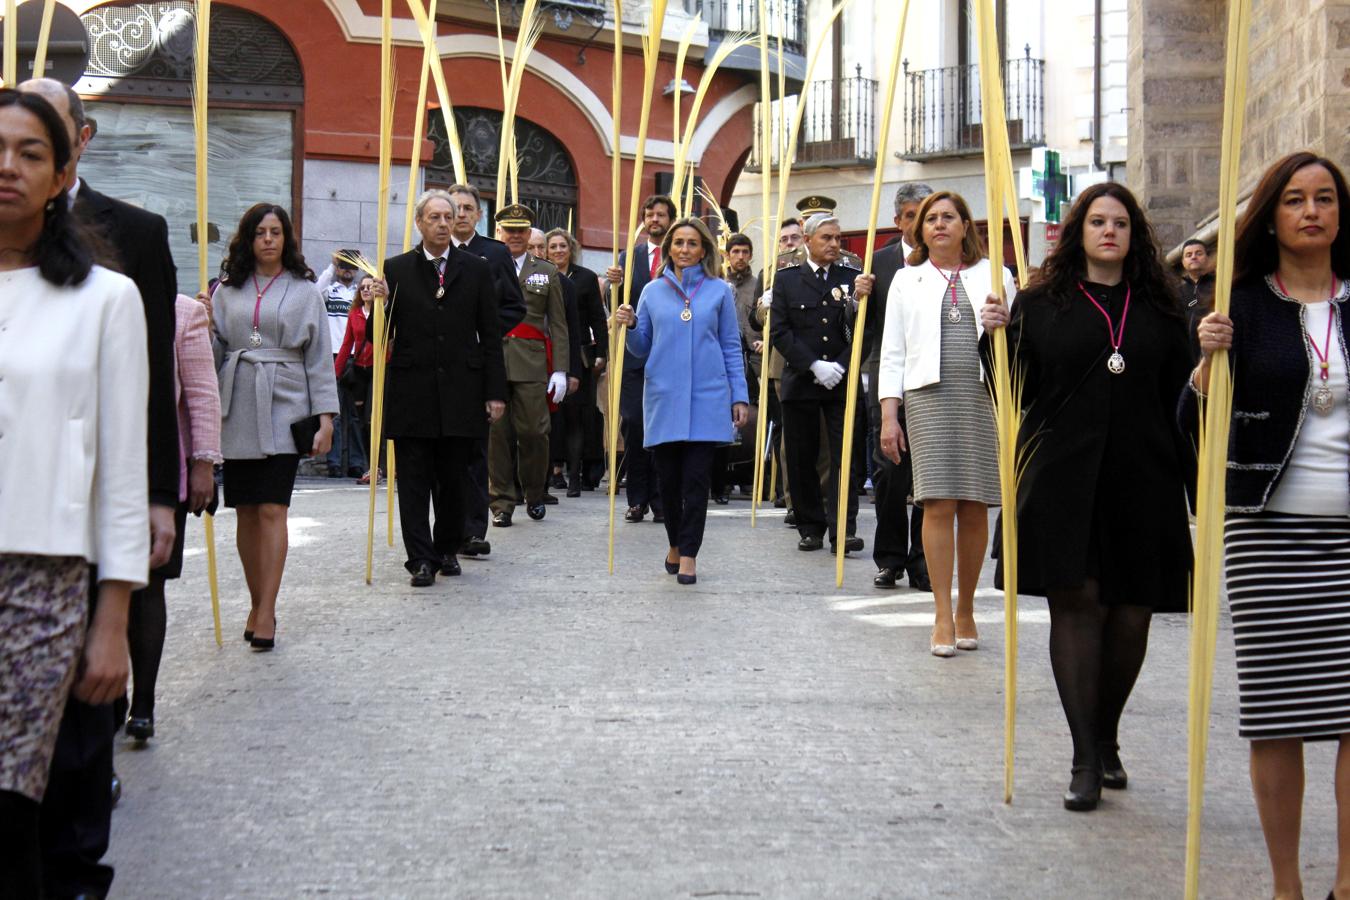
656	260
821	274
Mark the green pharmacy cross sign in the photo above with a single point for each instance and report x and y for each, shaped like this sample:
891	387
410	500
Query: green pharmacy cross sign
1049	182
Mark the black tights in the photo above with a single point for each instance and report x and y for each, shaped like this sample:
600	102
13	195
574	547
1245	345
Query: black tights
146	625
21	871
1096	652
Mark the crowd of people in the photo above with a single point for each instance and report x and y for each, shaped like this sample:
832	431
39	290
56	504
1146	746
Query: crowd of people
499	351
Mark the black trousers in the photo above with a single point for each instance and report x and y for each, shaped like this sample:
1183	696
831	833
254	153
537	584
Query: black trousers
643	478
430	467
21	858
898	543
685	468
801	424
76	818
718	473
475	492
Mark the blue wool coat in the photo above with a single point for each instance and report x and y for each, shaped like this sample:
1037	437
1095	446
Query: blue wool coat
694	369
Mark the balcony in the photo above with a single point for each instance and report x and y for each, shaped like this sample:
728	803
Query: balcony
942	109
787	18
839	126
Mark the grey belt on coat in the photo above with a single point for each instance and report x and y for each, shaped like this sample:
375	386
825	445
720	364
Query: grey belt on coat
262	386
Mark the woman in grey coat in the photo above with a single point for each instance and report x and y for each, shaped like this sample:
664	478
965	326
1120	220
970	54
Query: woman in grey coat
275	367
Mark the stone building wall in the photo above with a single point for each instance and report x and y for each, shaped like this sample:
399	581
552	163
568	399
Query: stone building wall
1298	97
1176	110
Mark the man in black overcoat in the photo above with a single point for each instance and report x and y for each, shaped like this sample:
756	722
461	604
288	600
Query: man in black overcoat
446	382
811	325
643	487
77	808
897	548
511	309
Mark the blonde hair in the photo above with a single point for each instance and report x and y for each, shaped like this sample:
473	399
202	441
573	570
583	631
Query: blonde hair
712	259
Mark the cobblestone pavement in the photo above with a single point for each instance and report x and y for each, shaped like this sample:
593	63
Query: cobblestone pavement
538	728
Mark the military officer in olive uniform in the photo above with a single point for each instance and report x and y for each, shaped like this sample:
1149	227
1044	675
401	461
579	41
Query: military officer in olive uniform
536	353
811	324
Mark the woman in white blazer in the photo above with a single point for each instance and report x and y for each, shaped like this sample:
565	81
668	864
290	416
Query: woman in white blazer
74	383
930	361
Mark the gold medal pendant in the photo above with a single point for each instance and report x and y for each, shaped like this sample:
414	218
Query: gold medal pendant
686	315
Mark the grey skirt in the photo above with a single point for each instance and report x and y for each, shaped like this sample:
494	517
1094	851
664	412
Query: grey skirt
950	424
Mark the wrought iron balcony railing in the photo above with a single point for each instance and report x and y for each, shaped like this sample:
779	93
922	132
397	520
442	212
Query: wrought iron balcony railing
943	115
839	126
786	17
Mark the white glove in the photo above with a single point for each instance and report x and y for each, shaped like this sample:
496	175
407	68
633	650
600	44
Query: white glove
827	374
557	386
766	300
865	382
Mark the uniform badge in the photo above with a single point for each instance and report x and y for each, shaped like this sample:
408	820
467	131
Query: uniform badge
537	280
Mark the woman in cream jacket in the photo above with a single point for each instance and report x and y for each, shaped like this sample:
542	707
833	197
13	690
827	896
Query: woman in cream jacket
930	361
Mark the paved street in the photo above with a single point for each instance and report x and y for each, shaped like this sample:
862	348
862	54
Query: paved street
538	728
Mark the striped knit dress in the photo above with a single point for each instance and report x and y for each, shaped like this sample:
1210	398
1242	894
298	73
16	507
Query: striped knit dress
950	424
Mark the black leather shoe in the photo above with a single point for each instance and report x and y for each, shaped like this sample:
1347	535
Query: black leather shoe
116	788
248	635
501	520
885	578
141	729
780	503
475	546
1113	772
557	480
658	516
550	499
721	499
424	575
790	520
1085	789
574	489
449	565
537	511
810	542
634	514
918	578
672	568
687	579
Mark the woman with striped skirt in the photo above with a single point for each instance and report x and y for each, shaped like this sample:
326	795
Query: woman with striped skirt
930	357
1287	543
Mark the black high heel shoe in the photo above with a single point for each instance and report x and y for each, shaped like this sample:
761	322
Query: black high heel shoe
141	729
1085	789
1114	775
258	643
672	568
685	579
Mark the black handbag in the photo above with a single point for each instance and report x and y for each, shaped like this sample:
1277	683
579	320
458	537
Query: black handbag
303	433
351	379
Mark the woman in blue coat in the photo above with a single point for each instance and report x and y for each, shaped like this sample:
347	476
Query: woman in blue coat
695	394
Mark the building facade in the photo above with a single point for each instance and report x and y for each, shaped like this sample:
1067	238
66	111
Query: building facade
1065	80
294	113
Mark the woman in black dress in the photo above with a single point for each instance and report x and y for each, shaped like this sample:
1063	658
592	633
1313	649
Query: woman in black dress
1100	343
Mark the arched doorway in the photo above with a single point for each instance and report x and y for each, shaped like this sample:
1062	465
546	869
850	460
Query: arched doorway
548	182
138	90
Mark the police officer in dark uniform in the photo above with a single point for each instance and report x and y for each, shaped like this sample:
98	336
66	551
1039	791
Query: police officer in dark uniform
815	205
811	324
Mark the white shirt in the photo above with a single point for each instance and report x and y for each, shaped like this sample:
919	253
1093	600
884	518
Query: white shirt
520	261
74	382
1316	481
815	269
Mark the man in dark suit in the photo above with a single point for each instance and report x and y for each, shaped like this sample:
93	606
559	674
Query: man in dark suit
643	488
811	325
446	382
511	309
82	789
